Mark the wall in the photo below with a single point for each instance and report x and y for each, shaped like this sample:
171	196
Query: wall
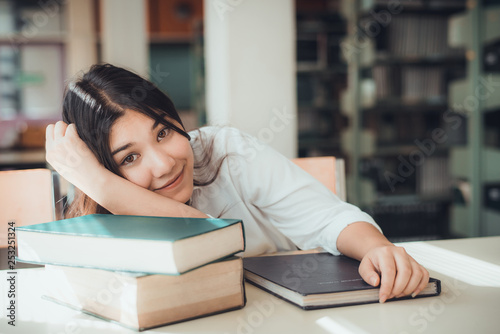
251	69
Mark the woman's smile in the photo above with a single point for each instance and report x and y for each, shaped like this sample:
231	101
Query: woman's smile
171	184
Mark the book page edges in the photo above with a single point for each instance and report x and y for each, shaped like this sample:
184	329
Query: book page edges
47	248
225	277
222	243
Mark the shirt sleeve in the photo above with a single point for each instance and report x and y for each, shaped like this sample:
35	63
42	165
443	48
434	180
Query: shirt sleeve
298	205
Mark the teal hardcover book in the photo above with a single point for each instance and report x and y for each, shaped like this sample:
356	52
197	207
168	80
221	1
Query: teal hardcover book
160	245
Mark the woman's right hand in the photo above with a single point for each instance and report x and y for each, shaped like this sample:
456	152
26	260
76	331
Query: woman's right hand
68	154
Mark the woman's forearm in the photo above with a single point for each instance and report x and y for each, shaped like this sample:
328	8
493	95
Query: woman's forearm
359	238
120	196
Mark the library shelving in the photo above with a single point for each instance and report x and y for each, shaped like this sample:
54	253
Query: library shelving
321	75
42	44
32	72
476	163
402	127
175	31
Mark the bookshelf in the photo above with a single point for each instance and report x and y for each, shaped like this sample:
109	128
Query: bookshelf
32	52
476	210
42	44
176	46
321	75
33	48
402	127
175	54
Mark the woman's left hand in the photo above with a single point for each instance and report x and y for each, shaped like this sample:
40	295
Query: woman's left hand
397	272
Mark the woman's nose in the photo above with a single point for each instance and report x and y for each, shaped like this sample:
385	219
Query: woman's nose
161	163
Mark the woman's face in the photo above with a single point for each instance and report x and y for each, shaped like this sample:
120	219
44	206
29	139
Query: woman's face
153	157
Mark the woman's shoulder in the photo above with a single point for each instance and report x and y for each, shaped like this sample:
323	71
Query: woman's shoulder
224	141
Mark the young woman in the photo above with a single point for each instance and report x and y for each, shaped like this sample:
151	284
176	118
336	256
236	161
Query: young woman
123	146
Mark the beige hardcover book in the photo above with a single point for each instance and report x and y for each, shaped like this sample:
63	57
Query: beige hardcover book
142	301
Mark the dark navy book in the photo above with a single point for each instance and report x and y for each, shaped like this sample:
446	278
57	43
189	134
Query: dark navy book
317	280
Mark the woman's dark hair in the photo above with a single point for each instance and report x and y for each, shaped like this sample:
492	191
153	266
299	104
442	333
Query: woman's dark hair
95	101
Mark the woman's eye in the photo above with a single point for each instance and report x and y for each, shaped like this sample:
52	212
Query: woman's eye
163	133
129	159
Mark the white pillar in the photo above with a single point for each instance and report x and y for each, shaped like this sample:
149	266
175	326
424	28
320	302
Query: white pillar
81	41
124	37
251	69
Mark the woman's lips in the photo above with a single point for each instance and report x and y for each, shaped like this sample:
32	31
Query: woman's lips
174	183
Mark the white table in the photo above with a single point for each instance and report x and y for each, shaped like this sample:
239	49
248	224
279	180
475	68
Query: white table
470	303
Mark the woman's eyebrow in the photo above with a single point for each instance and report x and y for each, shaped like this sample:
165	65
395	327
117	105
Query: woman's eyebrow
121	148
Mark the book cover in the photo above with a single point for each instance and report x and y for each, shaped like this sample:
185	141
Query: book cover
161	245
317	280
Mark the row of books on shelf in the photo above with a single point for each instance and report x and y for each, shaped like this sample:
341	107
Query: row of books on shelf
425	176
416	4
416	35
312	92
321	122
405	219
433	177
409	82
400	127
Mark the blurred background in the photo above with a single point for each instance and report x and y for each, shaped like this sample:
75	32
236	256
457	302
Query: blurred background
406	91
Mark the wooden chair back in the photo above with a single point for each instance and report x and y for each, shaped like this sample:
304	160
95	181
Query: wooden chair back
330	171
27	197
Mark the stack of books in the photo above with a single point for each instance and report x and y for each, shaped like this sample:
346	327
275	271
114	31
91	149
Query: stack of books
141	272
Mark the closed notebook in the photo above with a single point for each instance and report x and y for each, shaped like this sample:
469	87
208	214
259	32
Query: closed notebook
156	245
141	301
317	280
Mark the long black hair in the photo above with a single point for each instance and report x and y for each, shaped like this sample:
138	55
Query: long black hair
95	101
102	95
